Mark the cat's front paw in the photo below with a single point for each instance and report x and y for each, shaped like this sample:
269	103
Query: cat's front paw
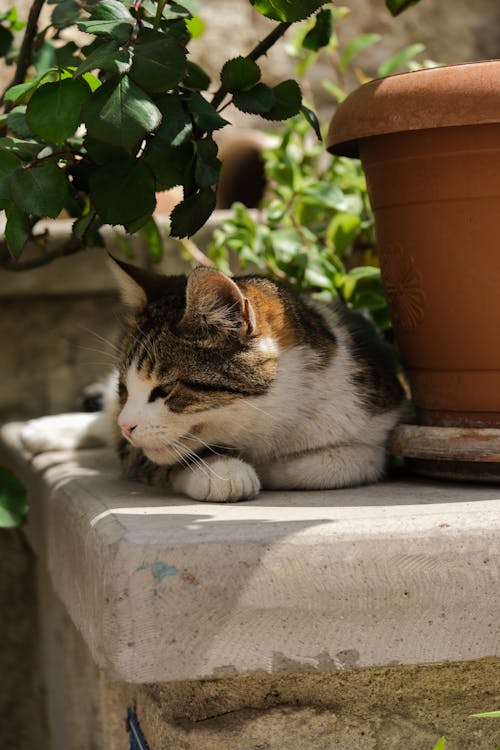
58	433
219	480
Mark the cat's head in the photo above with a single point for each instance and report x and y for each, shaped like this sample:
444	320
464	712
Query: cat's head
194	348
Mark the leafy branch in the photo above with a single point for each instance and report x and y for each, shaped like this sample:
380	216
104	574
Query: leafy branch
97	130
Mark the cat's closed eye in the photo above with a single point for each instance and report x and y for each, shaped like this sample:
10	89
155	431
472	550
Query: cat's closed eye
160	391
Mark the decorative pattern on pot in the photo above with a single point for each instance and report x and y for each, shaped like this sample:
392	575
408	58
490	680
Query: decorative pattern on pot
403	287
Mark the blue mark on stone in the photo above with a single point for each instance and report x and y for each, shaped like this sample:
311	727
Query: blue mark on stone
159	570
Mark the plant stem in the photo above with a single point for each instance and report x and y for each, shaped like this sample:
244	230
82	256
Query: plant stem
8	263
260	49
25	52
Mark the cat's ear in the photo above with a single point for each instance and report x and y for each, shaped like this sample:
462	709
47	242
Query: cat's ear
137	286
215	303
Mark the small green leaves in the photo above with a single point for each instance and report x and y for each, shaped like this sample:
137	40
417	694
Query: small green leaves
288	101
320	34
196	78
279	103
123	191
109	18
287	10
355	46
40	190
121	113
192	213
204	114
159	62
258	100
239	74
65	97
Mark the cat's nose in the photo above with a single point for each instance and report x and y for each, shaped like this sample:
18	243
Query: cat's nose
127	428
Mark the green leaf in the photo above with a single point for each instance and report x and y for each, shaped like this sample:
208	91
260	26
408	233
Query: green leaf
313	121
168	163
17	229
196	78
204	114
108	56
16	121
25	150
111	18
195	26
8	164
398	6
320	34
152	236
331	196
240	74
176	127
13	500
258	100
122	191
440	744
355	46
6	39
54	110
101	152
41	190
159	62
18	94
67	55
192	213
208	166
82	225
287	10
288	101
44	58
65	14
397	61
487	715
342	230
121	113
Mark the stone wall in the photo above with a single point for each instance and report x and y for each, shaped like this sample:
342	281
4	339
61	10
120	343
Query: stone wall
391	707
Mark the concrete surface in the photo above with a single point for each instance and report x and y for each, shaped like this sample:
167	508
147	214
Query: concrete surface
164	589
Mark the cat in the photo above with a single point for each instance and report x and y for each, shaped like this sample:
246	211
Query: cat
228	385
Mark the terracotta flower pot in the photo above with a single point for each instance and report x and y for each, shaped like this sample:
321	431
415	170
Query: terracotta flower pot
429	142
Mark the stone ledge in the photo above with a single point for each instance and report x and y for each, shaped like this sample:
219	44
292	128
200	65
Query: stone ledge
166	589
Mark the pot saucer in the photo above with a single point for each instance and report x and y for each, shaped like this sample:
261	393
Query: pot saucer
455	453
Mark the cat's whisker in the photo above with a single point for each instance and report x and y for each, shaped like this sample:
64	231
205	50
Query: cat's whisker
101	338
112	355
210	446
200	462
257	408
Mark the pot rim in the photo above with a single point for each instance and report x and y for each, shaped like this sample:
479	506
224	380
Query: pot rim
448	96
